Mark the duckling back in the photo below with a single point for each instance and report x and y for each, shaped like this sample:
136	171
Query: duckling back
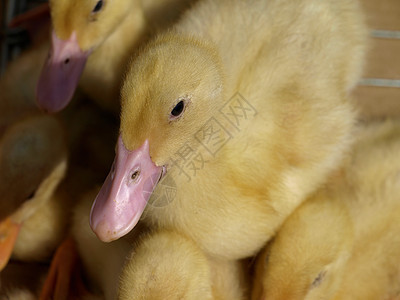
372	271
313	243
283	37
356	256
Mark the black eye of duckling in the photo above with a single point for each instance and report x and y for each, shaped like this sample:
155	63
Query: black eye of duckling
98	6
178	109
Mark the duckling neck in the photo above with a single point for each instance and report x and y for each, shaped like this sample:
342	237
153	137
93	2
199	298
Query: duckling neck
103	72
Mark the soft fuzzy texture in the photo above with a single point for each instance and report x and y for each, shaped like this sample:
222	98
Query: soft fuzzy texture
33	162
102	262
44	221
154	265
113	34
166	265
344	242
293	62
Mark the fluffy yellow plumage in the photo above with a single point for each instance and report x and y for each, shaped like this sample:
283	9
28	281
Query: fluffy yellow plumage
32	162
106	38
343	243
167	265
153	265
290	65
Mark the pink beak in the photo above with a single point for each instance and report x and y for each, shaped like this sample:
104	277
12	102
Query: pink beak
125	192
60	74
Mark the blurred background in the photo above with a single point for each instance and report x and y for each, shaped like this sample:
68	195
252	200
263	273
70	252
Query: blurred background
379	92
14	40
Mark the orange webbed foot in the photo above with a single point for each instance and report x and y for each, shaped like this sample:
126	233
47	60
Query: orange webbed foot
64	280
8	235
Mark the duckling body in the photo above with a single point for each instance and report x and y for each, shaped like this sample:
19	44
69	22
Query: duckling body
343	242
373	263
33	162
43	230
253	101
166	265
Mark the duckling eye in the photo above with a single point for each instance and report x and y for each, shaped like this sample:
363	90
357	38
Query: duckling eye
98	6
178	109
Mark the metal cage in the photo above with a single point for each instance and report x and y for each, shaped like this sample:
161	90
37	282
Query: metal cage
13	40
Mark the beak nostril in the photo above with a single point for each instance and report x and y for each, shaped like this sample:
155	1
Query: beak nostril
135	175
66	61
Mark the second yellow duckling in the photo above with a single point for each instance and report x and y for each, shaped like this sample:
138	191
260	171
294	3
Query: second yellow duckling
33	161
167	265
344	242
103	34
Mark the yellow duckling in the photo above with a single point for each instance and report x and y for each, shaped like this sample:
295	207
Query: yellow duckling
344	242
232	119
102	33
166	265
33	161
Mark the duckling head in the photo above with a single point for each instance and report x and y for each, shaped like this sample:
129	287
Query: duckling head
79	27
172	89
305	258
32	164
